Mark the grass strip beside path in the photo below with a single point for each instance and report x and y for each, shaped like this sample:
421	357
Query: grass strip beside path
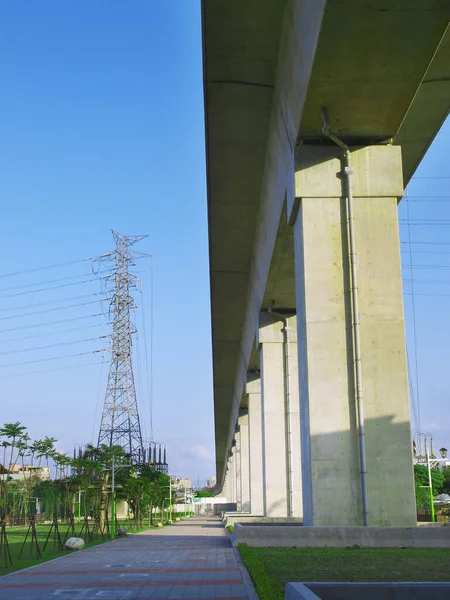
272	568
16	536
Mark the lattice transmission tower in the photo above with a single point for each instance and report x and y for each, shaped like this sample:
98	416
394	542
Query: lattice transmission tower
120	424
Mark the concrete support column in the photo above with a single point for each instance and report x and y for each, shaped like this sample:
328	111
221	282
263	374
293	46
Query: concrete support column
329	416
245	464
253	390
226	490
237	454
232	478
234	474
293	423
280	418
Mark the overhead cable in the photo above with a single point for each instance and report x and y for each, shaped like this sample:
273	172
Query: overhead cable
64	264
29	362
51	323
53	345
39	312
61	331
50	370
45	303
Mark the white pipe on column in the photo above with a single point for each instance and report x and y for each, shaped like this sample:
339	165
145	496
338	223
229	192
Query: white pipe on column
348	171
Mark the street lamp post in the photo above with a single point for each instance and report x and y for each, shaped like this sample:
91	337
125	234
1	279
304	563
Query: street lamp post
430	483
80	491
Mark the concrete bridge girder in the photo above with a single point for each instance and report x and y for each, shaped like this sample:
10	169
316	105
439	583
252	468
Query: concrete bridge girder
268	72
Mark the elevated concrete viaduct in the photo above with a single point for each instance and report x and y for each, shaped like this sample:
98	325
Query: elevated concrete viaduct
310	379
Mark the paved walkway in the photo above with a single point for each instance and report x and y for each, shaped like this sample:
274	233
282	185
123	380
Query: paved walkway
191	559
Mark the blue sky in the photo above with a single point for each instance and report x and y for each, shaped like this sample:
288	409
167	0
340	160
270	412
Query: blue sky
102	128
424	216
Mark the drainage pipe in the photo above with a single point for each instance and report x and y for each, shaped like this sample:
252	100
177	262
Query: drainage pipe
287	400
348	171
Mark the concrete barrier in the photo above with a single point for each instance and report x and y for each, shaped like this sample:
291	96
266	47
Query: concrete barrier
367	591
299	591
264	535
230	518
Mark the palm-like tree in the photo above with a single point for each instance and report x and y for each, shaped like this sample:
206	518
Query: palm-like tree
14	433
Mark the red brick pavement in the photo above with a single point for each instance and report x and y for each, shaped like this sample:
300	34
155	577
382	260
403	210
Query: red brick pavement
192	559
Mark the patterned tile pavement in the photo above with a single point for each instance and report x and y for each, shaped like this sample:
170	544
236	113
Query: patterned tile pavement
191	559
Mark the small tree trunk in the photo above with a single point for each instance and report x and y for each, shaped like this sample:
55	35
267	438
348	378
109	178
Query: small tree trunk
103	508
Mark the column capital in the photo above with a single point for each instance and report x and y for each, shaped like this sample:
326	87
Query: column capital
253	384
243	412
377	172
269	330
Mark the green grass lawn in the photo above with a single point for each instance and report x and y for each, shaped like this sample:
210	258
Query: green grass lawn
272	568
16	536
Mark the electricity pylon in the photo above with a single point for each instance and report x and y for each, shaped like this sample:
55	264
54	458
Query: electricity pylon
120	424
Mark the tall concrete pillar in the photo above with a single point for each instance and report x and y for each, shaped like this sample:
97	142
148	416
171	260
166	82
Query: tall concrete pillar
237	455
329	417
253	390
280	418
293	422
233	474
245	464
226	489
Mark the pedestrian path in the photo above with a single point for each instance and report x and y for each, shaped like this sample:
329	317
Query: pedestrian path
191	559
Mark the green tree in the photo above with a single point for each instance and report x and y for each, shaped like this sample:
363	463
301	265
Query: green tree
159	491
421	479
204	494
137	491
446	485
103	455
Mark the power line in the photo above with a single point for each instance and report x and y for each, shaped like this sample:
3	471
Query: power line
437	267
149	372
429	199
64	264
39	312
98	395
53	345
416	360
52	301
39	335
411	391
45	289
56	280
29	362
428	281
425	221
428	243
50	370
439	252
434	295
422	223
51	323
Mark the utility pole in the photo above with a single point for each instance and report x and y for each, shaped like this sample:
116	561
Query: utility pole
114	467
120	424
113	500
79	504
428	446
